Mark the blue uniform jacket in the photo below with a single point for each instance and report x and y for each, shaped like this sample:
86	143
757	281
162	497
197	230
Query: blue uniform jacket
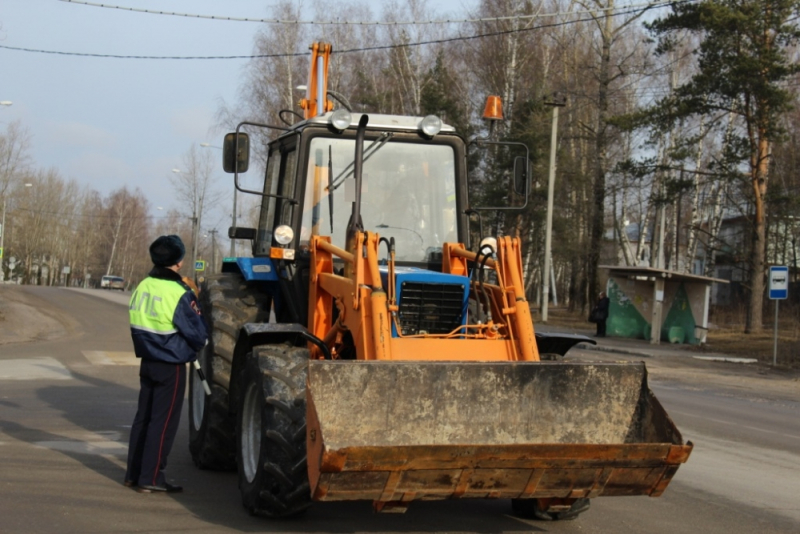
165	318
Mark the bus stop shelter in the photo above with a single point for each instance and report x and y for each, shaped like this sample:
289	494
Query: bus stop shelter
657	304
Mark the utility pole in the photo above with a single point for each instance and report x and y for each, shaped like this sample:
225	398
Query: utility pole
212	268
233	215
556	101
194	245
3	227
2	240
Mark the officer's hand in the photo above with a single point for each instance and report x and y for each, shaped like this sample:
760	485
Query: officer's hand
188	281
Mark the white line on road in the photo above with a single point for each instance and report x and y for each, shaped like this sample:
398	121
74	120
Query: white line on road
45	368
104	443
101	357
759	477
735	424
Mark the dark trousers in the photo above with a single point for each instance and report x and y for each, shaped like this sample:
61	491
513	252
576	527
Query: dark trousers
156	421
601	328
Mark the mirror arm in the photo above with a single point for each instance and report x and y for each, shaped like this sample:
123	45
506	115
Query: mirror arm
236	164
236	160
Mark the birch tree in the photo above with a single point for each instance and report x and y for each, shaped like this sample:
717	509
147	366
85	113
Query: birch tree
742	64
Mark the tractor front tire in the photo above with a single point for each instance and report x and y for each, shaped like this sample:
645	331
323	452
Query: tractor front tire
227	303
271	432
211	427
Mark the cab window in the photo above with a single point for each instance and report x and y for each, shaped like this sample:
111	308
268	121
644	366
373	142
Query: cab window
279	180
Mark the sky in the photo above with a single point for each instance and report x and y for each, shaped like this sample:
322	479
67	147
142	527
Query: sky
109	123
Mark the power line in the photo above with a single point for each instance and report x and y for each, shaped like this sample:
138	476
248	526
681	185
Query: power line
224	18
117	56
73	216
347	51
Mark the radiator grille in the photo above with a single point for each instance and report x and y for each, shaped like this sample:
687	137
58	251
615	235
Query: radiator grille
430	308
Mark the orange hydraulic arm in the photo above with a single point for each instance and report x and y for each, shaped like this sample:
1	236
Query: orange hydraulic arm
366	309
512	305
316	101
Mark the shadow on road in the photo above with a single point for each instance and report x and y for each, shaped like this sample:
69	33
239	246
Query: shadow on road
212	498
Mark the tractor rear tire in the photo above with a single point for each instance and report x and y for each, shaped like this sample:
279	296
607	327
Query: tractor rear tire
227	303
271	432
531	509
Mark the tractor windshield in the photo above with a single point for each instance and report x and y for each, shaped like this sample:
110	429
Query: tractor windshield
408	193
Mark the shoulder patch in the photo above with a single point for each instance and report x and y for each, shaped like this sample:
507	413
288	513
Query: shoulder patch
196	308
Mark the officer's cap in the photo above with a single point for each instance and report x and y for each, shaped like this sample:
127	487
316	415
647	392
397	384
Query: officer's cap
167	251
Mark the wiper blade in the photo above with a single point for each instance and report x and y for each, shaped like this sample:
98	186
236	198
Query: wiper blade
368	153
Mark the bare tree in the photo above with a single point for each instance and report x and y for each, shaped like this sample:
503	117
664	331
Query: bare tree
193	188
14	155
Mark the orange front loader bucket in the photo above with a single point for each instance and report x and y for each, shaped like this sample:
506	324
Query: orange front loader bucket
393	432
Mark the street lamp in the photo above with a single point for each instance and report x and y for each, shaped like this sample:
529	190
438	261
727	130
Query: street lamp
194	232
6	103
233	216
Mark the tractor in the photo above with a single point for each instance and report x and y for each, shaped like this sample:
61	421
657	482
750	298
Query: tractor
369	349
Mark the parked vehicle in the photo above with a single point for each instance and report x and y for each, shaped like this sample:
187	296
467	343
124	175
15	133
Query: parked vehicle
112	282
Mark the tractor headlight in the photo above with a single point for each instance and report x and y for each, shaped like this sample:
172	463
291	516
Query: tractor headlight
430	126
340	120
283	234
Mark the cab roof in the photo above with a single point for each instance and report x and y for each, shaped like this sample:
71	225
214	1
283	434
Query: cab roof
377	121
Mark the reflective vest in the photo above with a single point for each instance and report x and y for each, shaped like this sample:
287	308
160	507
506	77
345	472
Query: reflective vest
153	305
166	324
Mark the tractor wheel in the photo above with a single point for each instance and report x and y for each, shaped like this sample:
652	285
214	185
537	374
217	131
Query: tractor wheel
227	303
537	508
271	432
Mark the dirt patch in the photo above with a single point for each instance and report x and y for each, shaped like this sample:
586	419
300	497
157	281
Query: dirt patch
24	318
760	380
725	337
753	380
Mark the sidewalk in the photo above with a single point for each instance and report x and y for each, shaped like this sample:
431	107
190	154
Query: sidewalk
641	347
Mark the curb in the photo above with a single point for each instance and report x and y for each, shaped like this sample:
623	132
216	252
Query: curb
617	350
728	359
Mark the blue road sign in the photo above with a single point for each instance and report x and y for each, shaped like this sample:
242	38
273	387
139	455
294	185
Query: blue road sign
778	283
200	265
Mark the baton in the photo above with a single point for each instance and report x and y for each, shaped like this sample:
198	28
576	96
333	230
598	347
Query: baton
202	377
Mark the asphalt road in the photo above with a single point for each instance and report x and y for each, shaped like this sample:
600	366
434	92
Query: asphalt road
66	405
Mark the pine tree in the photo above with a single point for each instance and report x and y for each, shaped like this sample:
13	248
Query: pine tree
742	65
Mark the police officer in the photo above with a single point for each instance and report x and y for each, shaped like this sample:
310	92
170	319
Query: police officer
167	331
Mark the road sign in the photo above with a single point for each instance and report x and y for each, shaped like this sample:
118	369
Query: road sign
1	252
778	283
200	265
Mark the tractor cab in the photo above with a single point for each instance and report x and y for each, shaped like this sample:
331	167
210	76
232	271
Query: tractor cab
413	186
413	189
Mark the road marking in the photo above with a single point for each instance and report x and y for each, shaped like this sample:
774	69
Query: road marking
82	442
101	357
755	476
33	369
736	424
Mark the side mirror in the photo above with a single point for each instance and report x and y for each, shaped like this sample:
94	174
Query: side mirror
234	160
238	232
521	175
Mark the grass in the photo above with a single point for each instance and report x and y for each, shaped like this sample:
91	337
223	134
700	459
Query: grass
726	333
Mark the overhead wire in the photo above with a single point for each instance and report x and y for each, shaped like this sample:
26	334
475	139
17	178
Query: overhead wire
351	50
73	216
365	23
